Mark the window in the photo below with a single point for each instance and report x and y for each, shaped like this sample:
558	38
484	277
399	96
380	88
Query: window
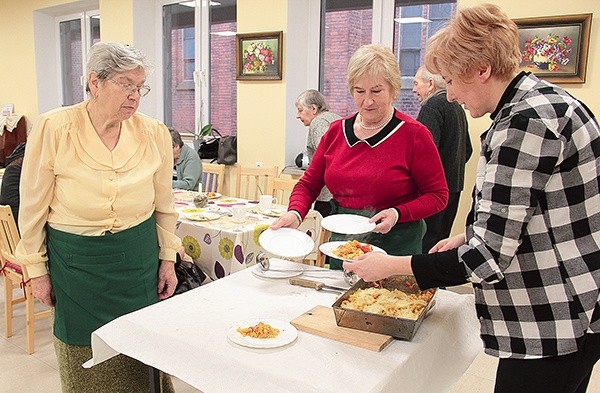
414	24
199	88
346	25
189	56
409	39
77	35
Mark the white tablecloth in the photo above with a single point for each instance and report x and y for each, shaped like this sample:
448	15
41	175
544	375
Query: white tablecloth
186	336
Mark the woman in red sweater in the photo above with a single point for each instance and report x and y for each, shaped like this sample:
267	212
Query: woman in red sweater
377	163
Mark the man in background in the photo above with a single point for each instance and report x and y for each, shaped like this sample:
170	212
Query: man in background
188	167
448	125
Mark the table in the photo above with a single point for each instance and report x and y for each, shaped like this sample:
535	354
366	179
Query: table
222	246
185	336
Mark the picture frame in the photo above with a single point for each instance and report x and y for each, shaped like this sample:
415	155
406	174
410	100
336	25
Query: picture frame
555	48
259	56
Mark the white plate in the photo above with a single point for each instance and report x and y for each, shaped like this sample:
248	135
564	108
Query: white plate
276	263
287	334
327	248
274	212
204	216
347	224
286	242
214	195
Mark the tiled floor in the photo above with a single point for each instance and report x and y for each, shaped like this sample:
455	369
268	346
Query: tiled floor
38	373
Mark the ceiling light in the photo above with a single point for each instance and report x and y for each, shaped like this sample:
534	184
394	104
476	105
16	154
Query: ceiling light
414	19
224	33
193	3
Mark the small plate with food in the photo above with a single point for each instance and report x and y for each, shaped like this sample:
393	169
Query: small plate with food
262	333
191	210
273	212
203	216
348	250
214	195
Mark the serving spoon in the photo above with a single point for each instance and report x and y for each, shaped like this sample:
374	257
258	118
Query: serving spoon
265	265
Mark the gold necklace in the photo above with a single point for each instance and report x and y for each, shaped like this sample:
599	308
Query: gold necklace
360	124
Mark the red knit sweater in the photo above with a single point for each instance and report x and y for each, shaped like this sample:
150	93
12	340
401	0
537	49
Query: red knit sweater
398	167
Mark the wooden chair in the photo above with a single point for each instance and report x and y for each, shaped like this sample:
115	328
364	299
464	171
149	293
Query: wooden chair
323	238
212	177
282	188
254	181
16	276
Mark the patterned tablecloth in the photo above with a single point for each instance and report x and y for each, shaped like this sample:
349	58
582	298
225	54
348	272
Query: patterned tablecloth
221	246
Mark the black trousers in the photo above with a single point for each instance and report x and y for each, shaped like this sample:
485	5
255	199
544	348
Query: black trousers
560	374
440	224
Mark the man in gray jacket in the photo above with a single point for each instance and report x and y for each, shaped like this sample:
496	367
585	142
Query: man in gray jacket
448	125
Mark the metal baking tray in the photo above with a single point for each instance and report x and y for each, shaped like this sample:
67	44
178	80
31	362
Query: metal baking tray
401	328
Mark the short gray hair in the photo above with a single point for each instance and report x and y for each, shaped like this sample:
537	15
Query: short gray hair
312	97
426	76
108	58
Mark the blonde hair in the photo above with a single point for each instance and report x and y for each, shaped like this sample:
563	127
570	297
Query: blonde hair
376	61
476	37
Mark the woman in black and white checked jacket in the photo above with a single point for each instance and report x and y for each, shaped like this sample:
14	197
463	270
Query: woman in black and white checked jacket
532	243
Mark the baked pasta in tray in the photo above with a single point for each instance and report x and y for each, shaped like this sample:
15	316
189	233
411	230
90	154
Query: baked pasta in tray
392	303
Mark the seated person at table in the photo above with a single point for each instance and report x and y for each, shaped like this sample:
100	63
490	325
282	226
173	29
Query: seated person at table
378	163
188	167
9	192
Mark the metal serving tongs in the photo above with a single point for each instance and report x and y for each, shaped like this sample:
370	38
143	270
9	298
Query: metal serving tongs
265	265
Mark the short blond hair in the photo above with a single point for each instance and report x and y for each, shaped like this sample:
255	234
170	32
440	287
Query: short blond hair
476	37
376	61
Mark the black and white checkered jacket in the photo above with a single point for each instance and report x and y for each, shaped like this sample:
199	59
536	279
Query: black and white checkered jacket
533	251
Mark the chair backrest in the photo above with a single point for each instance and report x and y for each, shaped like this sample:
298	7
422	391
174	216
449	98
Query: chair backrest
254	181
282	188
9	235
212	177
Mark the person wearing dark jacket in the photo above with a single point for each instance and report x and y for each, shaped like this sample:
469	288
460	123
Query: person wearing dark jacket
448	125
9	192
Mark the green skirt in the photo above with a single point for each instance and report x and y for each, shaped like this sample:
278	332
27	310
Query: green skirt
403	239
99	278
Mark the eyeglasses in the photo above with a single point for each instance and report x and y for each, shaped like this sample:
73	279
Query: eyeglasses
131	88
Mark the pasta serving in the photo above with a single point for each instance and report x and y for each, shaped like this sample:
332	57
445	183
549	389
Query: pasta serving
393	303
260	330
352	249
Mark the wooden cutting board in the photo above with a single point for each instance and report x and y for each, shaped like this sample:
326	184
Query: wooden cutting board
321	321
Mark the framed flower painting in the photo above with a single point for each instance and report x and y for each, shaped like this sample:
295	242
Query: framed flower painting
258	56
555	48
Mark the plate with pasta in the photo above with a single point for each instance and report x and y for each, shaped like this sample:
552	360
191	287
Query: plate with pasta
348	250
262	333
